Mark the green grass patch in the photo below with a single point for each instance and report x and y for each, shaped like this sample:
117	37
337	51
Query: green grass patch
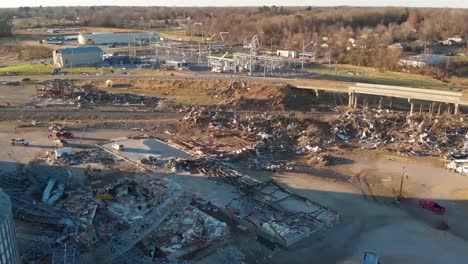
26	69
87	70
350	73
220	54
459	58
149	71
178	34
42	69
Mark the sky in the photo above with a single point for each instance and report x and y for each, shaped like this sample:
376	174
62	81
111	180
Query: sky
409	3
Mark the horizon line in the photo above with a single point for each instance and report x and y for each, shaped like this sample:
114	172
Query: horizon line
239	6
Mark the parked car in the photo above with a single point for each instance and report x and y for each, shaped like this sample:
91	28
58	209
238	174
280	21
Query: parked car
64	134
19	141
432	206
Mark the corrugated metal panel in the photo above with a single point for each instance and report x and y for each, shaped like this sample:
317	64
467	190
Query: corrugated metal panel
80	50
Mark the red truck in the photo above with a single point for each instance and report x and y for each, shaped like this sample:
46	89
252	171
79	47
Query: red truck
432	206
63	134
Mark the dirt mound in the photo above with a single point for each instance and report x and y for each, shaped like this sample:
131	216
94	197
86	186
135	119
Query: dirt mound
240	95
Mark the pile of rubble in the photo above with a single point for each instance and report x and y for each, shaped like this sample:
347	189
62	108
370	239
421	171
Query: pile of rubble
271	133
130	201
88	95
402	133
81	157
323	159
206	166
185	231
91	95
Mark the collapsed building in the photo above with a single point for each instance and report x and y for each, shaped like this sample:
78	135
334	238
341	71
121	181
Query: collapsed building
416	135
65	92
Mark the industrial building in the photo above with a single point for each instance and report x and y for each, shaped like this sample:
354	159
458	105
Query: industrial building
76	57
423	60
104	38
287	53
8	246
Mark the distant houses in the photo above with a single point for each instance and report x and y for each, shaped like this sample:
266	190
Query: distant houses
396	46
104	38
454	40
423	60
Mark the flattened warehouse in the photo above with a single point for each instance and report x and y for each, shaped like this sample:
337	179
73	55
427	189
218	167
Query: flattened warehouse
104	38
74	57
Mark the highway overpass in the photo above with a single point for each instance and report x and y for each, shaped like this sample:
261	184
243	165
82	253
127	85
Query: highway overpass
457	99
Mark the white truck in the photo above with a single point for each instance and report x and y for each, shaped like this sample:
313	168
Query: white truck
118	147
19	141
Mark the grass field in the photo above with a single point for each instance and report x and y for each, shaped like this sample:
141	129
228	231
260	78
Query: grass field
178	34
148	71
353	74
26	69
42	69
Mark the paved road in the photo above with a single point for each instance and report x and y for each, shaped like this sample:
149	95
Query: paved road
74	114
41	114
198	76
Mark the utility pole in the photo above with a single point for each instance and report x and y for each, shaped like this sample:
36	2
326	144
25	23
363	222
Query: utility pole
128	35
191	44
209	53
199	52
302	57
250	64
139	29
261	41
82	133
401	183
303	51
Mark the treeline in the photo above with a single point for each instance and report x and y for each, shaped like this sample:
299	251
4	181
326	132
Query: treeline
5	25
280	26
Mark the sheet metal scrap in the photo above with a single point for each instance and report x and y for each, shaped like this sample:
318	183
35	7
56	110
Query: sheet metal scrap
399	132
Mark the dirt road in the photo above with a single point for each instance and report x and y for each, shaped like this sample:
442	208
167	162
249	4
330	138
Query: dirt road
75	114
404	234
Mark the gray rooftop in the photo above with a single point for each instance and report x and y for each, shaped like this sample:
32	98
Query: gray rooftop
5	206
80	50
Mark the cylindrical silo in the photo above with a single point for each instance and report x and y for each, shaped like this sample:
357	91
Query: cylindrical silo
8	247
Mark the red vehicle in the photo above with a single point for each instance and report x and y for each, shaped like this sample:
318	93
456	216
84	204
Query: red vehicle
432	206
64	134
